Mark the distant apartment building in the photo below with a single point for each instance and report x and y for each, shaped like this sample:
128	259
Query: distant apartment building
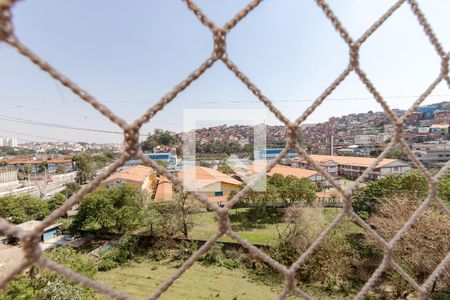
442	117
413	119
432	152
352	167
8	142
369	139
8	180
364	139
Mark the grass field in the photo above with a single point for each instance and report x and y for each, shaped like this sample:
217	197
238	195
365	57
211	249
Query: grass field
259	231
139	280
262	231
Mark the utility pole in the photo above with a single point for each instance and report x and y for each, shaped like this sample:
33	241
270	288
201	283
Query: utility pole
332	144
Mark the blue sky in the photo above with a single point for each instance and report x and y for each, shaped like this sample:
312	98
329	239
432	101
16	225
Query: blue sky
128	54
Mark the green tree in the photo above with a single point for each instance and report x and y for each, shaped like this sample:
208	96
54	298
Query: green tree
396	153
160	138
411	183
56	201
114	210
85	167
19	209
292	189
43	167
71	188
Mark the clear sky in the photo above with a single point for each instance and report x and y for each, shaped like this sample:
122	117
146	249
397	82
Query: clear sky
128	54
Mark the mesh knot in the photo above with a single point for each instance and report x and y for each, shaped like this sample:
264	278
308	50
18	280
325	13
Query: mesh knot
131	140
220	36
6	27
444	64
289	279
354	55
223	220
399	126
31	248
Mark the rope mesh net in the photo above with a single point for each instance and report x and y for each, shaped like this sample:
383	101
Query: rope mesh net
32	253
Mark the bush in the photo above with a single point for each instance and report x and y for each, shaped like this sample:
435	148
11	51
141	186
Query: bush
125	249
39	283
423	246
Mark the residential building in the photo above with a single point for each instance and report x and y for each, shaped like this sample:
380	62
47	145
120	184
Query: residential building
439	128
365	139
211	183
312	175
442	117
8	142
64	165
352	166
432	153
8	180
141	177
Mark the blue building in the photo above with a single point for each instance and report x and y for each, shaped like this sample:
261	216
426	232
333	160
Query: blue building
169	158
272	153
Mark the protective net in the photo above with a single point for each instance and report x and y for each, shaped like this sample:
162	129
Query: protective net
30	239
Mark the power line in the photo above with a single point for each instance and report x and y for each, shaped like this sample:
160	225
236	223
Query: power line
39	123
54	125
139	101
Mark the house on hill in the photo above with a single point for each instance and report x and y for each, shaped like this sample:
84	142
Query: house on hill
140	176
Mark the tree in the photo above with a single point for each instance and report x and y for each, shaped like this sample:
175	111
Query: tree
184	211
56	201
160	138
118	210
171	218
19	209
85	167
71	188
43	167
396	153
366	199
292	189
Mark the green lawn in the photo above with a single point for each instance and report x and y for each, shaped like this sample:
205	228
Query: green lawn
139	280
259	231
263	231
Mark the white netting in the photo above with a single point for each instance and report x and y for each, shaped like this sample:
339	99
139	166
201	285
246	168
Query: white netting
30	239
